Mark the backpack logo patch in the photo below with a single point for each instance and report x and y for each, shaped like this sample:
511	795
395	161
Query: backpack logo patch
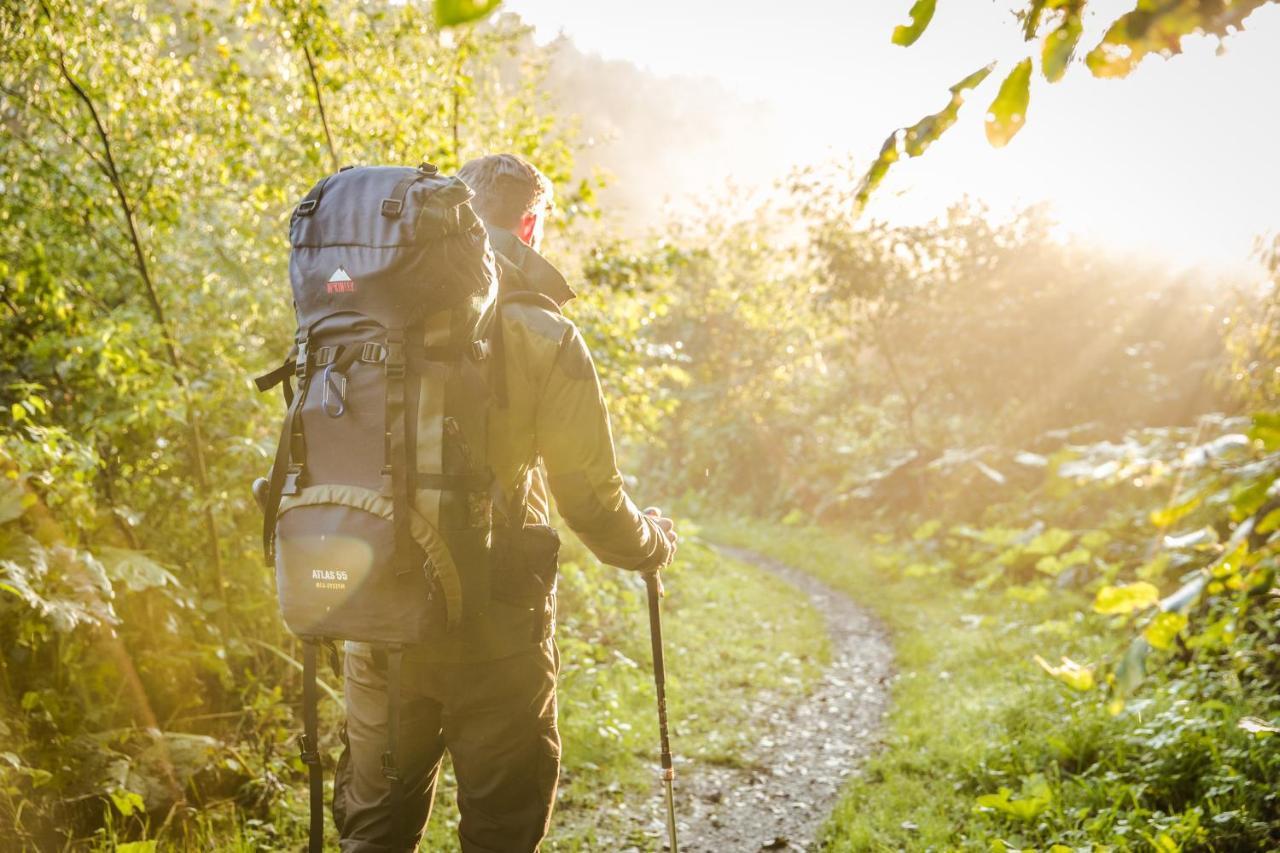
340	282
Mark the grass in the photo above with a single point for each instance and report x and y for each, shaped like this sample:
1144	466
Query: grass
982	751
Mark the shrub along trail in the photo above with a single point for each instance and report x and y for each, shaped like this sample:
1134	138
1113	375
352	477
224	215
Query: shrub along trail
791	778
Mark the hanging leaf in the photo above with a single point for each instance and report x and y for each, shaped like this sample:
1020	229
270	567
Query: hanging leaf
1008	112
915	139
450	13
1060	43
1125	598
921	14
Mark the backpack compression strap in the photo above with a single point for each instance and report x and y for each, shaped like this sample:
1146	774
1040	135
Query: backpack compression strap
309	745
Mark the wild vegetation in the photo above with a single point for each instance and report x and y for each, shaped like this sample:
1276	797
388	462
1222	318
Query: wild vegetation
1051	471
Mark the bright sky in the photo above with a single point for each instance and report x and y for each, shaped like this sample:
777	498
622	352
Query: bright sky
1181	159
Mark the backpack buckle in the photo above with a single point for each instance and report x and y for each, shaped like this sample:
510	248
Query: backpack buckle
394	360
307	751
306	207
326	355
389	770
291	478
300	362
479	350
391	207
373	352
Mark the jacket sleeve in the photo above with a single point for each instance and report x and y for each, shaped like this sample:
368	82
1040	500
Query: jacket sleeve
576	444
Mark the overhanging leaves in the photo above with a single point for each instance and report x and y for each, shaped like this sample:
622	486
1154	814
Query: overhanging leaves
921	14
1160	28
1008	112
914	140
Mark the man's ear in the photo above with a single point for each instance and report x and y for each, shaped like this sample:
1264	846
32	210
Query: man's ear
528	223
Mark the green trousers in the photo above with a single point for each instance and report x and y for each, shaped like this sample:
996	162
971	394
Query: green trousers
497	719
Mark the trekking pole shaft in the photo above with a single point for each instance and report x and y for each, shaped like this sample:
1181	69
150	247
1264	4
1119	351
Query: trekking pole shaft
660	683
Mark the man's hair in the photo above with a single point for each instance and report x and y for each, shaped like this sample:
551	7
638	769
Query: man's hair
506	187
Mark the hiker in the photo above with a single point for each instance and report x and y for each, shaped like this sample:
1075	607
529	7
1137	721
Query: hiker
487	692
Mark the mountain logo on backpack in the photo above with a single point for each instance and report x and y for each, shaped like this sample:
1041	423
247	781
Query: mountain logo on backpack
340	282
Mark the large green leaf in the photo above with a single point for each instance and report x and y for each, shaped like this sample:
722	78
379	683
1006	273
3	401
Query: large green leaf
921	14
450	13
1008	112
1060	45
1125	598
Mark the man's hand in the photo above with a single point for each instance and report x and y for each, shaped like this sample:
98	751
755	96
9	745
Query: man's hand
667	525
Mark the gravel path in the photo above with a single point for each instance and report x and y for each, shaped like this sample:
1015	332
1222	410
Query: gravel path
796	771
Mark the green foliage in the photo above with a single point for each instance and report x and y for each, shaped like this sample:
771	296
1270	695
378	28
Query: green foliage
1026	761
1151	27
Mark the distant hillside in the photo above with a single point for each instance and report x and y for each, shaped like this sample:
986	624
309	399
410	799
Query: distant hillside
659	138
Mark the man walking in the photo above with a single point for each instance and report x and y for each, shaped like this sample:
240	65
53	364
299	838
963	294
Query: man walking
486	693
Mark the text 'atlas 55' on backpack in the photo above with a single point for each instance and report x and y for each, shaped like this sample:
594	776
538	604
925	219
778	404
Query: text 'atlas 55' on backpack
378	513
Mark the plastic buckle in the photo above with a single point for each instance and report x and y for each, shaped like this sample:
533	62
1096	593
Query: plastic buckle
373	352
479	350
394	360
300	363
291	478
306	207
307	751
325	355
389	770
392	207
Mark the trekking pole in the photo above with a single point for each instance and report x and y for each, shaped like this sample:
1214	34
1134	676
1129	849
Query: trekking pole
654	586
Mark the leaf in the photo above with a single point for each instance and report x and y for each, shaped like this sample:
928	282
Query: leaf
134	569
12	500
1050	541
1060	45
1125	598
1164	628
137	847
1036	800
1070	673
1008	112
1257	726
1175	512
926	530
921	14
1160	28
128	803
915	139
1201	538
1133	666
450	13
1266	429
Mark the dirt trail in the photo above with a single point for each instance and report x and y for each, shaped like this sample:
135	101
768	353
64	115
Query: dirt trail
796	770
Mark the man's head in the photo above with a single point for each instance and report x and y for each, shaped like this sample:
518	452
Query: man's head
510	193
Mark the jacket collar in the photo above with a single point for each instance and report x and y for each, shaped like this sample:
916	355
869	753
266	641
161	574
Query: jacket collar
539	275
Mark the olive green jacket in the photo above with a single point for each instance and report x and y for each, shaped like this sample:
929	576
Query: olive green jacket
556	415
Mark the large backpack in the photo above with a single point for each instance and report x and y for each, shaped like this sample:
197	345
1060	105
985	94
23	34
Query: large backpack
378	510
